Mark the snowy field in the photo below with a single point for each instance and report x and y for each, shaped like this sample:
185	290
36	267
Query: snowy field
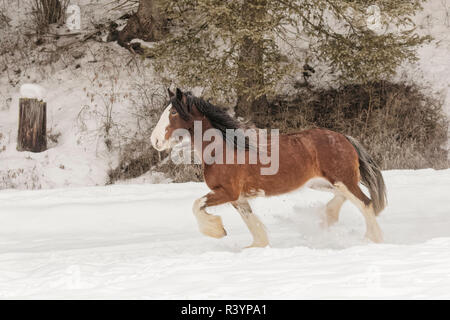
141	241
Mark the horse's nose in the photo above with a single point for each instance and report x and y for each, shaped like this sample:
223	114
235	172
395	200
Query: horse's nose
158	144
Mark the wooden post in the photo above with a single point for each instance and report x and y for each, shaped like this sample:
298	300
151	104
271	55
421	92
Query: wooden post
32	134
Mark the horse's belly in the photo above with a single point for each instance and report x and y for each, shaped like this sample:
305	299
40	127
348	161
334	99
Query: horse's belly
275	185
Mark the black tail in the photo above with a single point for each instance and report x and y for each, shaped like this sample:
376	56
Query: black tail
371	176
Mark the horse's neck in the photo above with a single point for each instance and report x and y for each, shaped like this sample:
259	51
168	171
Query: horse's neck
206	124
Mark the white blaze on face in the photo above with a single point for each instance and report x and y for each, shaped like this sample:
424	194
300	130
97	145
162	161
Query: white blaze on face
157	138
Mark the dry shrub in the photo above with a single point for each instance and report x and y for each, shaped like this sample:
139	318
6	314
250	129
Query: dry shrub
139	156
401	127
4	20
135	160
182	172
46	12
28	178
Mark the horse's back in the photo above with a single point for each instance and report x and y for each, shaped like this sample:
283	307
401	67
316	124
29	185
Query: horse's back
309	154
333	156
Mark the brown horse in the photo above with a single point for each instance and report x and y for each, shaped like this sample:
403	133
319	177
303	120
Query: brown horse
318	158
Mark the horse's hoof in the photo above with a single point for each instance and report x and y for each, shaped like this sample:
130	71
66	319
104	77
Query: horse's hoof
213	233
212	226
258	245
374	238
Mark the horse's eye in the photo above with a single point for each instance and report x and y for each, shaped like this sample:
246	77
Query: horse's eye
173	112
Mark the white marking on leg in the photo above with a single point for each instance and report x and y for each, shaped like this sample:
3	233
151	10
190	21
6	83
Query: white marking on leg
210	225
253	193
320	184
198	206
254	225
157	137
373	230
333	208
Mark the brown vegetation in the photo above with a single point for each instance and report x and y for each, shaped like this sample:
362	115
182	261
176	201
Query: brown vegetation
400	126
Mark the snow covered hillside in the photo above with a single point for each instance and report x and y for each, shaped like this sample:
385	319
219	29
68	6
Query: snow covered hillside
100	84
141	241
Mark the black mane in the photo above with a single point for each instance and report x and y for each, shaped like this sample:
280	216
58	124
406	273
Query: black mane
219	117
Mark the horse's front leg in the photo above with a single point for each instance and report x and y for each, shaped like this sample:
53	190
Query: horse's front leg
209	224
255	225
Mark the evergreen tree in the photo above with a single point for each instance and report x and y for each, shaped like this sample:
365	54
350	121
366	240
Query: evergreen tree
148	23
243	49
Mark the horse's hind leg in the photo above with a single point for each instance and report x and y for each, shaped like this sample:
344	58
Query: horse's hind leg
364	204
334	205
255	226
333	208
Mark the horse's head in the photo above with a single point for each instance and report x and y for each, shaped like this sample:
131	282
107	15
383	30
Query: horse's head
178	114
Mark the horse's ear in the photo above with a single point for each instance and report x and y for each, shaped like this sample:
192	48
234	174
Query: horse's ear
171	94
181	96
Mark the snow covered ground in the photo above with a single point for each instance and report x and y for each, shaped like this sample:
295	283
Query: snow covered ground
141	241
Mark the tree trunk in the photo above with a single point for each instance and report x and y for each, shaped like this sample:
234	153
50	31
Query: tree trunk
32	134
251	79
250	68
147	24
